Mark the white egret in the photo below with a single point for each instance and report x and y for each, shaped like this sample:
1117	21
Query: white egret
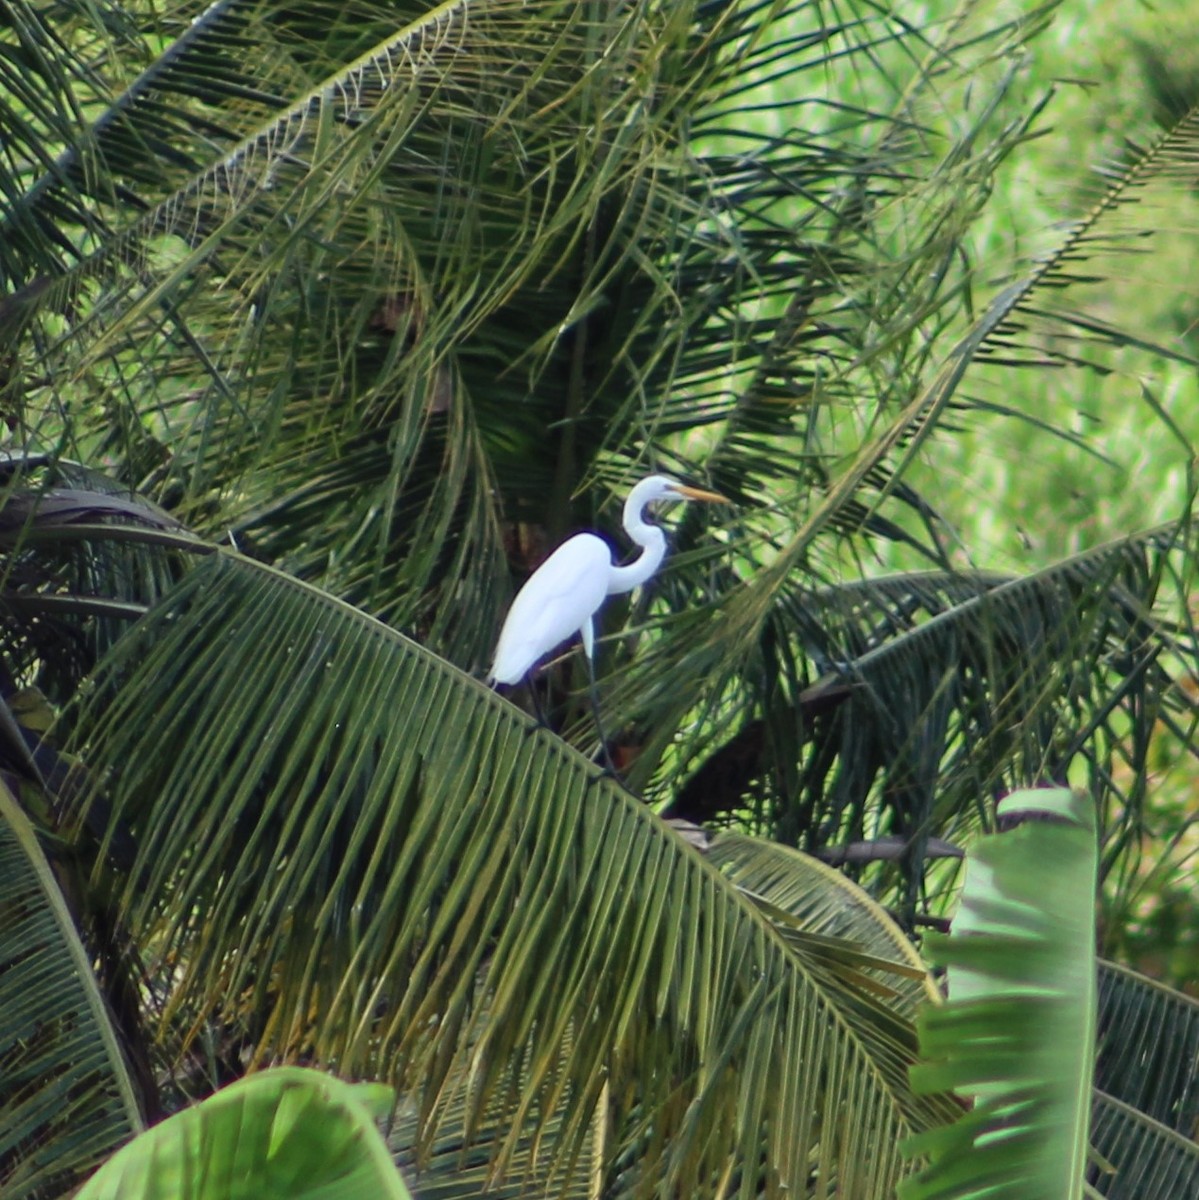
563	595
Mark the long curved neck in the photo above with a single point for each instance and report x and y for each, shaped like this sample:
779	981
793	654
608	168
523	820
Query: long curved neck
649	537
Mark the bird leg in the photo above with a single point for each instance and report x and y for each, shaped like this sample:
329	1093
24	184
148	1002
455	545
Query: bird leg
609	765
588	632
537	709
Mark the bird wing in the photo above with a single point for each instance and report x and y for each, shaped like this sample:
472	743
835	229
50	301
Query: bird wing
555	602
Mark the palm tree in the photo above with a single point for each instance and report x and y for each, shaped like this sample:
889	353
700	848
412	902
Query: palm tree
320	326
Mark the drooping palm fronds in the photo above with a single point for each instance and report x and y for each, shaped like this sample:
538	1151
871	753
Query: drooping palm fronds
823	903
876	465
391	295
459	1162
66	1096
82	558
376	286
767	646
1141	1157
892	707
1148	1054
373	837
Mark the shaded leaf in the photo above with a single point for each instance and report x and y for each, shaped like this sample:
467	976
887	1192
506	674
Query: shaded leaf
1148	1049
66	1097
1150	1160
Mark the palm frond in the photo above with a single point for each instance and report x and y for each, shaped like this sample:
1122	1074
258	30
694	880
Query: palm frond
82	558
106	166
460	1161
879	465
66	1097
828	905
892	707
372	295
368	832
1055	302
1142	1157
731	636
898	275
1148	1054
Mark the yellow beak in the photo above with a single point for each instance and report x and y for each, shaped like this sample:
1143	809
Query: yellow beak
696	494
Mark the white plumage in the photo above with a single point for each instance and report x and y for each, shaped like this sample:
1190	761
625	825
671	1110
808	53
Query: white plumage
563	595
554	604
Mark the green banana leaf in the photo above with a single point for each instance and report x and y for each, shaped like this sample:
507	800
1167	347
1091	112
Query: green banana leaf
1017	1033
289	1133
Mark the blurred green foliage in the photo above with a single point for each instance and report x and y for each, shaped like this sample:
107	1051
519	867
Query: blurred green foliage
1118	75
1054	459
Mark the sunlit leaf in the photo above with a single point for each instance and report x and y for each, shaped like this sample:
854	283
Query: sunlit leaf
1016	1035
286	1134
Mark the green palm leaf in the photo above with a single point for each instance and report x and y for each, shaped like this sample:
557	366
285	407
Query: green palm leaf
1148	1055
399	873
1142	1157
66	1098
943	687
320	228
460	1161
1063	296
828	905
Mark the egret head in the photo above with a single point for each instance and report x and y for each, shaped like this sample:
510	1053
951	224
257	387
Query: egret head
662	487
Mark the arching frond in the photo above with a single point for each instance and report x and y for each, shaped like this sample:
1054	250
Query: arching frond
1148	1053
377	289
82	558
1141	1156
459	1163
369	834
891	707
826	904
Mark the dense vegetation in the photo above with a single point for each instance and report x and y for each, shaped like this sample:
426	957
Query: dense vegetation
320	324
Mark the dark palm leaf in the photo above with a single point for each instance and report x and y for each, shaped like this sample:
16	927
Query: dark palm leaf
82	559
1149	1048
826	904
1143	1159
66	1097
948	688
